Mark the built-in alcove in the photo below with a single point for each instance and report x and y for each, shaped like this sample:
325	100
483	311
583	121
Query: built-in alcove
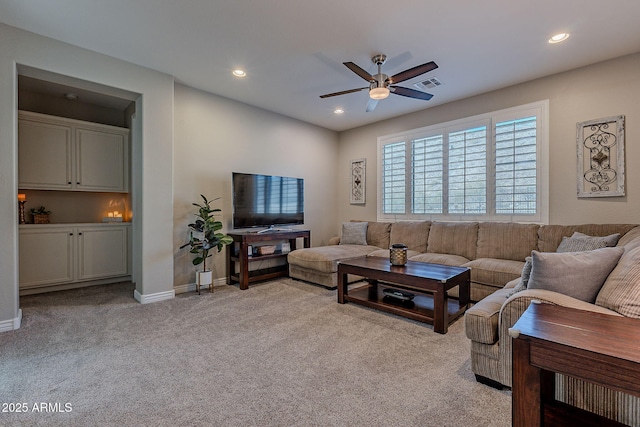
89	254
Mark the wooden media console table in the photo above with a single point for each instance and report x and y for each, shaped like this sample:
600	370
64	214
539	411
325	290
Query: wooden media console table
238	253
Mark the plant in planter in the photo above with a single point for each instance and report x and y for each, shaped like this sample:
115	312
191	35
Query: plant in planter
204	237
40	215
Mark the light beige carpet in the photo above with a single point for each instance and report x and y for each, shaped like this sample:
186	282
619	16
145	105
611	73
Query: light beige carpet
282	353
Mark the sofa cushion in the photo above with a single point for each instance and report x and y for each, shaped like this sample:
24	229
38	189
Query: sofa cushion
444	259
481	320
354	233
378	233
550	236
621	290
506	240
631	239
455	238
495	272
577	274
414	234
325	258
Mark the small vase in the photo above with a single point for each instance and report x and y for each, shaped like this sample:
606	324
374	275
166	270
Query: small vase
204	278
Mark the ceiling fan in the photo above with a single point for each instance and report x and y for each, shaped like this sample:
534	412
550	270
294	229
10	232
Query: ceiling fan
380	85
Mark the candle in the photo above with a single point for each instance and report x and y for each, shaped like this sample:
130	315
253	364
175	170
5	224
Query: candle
22	197
116	214
110	214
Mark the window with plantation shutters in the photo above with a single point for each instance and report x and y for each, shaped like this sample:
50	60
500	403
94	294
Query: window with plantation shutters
467	178
428	175
491	167
516	172
393	184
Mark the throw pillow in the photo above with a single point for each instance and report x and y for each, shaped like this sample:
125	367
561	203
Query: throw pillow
354	233
524	278
579	242
610	240
577	274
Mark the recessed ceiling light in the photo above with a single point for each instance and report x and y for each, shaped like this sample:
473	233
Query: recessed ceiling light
239	73
338	111
560	37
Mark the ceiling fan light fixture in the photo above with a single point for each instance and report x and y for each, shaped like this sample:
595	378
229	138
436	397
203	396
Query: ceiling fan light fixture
379	93
558	38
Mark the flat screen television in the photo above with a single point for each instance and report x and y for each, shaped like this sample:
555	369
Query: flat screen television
267	201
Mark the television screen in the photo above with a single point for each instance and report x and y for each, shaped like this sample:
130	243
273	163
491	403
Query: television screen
266	201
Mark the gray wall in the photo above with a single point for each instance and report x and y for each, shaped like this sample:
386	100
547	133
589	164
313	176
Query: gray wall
605	89
152	178
215	136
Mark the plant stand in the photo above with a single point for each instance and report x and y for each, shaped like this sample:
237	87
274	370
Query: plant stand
204	278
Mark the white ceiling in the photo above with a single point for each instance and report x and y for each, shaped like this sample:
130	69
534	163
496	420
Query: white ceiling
293	50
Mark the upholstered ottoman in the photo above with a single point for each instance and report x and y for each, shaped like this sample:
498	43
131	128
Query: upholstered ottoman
320	265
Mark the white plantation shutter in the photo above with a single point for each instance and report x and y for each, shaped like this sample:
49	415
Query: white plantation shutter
428	175
491	167
516	168
468	171
394	160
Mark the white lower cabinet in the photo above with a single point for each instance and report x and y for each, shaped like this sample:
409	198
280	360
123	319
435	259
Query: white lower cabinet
66	254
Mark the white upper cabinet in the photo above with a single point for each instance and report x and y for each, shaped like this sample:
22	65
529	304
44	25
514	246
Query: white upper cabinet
56	153
44	155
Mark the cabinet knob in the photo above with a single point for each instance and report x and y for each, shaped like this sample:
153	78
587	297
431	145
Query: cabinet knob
70	234
78	183
69	182
79	234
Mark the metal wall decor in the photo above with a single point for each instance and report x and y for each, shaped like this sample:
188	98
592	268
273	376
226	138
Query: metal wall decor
358	181
601	157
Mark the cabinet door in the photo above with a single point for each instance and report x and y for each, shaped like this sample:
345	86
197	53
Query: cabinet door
101	161
44	156
102	252
46	257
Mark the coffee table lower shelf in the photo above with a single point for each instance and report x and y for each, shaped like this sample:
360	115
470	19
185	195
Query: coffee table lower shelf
421	308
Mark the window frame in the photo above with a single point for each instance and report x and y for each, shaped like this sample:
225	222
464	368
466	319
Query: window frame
539	109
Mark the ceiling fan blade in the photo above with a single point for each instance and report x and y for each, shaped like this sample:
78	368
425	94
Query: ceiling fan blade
343	92
371	105
412	72
411	93
359	71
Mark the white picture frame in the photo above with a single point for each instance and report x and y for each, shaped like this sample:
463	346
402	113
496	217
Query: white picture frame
358	182
600	145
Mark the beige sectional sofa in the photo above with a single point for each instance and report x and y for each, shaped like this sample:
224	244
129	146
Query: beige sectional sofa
487	322
495	252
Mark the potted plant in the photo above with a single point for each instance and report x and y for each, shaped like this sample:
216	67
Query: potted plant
40	215
204	236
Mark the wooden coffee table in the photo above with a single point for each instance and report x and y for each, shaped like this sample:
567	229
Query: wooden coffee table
429	283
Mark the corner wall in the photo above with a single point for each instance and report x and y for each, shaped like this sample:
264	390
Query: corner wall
153	174
601	90
215	136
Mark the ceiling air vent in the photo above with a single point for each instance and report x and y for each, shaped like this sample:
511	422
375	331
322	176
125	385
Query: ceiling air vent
428	84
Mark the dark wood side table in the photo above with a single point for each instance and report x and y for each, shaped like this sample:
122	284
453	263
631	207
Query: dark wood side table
238	252
594	347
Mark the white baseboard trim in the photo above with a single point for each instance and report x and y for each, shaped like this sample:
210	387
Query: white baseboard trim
11	324
191	287
159	296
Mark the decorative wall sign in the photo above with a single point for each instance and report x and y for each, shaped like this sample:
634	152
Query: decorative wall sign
358	179
601	157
